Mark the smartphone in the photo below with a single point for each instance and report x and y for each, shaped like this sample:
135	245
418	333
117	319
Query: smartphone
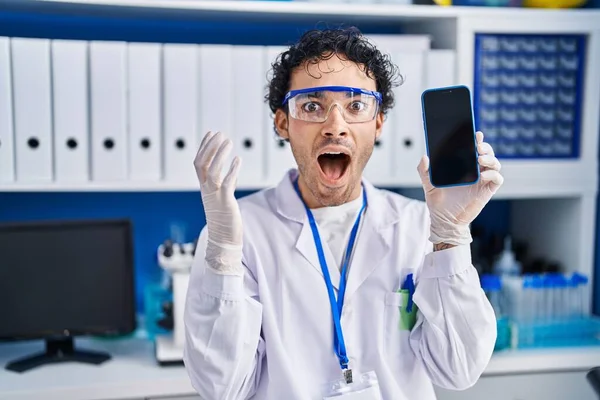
450	136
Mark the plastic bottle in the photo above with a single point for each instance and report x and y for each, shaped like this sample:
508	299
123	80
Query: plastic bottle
507	263
512	290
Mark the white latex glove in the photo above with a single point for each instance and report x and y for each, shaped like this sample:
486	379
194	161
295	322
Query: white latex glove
453	209
223	218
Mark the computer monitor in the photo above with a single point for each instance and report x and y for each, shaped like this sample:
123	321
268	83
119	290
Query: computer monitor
61	279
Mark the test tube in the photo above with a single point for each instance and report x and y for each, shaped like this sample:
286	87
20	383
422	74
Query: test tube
491	286
528	301
528	308
585	296
548	297
583	291
573	294
561	298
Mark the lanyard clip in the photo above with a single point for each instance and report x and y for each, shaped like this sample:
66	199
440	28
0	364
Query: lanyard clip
348	376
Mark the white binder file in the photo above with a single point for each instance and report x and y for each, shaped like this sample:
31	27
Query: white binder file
7	158
70	107
405	42
410	140
441	68
217	92
382	168
144	78
379	168
279	153
181	108
108	85
32	109
249	82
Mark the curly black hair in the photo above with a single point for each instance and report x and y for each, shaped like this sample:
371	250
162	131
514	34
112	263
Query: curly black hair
348	43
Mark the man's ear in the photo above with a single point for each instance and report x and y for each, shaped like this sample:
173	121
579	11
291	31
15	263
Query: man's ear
379	119
281	124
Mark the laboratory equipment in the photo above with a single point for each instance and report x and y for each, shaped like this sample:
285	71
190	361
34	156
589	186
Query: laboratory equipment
176	259
528	92
549	310
158	309
62	279
492	286
579	294
507	263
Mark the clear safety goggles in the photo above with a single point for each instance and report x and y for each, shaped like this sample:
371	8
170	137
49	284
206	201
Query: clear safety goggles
315	104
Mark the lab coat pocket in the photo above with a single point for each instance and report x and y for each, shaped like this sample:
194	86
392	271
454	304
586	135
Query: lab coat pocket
398	309
397	326
395	339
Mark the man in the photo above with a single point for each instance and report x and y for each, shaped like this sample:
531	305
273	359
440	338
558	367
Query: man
268	286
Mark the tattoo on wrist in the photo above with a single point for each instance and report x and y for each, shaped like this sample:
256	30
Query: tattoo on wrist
442	246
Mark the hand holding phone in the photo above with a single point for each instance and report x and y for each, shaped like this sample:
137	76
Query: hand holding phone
458	196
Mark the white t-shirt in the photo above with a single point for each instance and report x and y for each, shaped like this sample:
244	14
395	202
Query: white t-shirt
335	225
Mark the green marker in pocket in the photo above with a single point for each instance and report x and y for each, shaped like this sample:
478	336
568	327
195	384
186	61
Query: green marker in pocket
408	309
407	318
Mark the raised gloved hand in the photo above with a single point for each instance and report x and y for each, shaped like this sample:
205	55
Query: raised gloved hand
223	218
453	209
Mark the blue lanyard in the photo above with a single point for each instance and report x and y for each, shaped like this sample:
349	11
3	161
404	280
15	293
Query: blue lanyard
336	306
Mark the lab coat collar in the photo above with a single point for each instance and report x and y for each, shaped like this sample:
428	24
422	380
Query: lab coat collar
372	244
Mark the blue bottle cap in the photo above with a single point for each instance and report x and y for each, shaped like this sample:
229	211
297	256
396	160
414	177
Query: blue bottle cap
579	279
490	282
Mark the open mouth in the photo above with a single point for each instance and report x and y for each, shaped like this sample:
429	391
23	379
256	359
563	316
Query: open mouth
333	164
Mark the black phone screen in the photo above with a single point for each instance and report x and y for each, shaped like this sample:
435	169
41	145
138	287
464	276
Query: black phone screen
450	136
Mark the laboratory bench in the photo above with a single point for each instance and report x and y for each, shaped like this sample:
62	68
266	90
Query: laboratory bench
134	374
131	373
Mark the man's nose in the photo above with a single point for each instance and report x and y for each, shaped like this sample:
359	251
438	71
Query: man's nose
335	125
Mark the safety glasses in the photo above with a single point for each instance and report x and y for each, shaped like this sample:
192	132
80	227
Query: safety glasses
315	104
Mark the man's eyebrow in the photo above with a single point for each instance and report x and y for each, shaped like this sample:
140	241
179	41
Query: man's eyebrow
317	94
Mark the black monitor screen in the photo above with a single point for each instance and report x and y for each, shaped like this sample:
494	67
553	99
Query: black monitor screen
66	278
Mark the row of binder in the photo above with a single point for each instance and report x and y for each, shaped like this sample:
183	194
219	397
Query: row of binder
100	111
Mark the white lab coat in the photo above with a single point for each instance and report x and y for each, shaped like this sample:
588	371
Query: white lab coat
269	335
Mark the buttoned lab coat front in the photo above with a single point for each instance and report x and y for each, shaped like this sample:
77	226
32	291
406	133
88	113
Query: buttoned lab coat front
269	334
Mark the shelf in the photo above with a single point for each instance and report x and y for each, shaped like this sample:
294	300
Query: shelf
134	373
543	360
547	179
100	187
126	186
522	180
510	190
296	9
